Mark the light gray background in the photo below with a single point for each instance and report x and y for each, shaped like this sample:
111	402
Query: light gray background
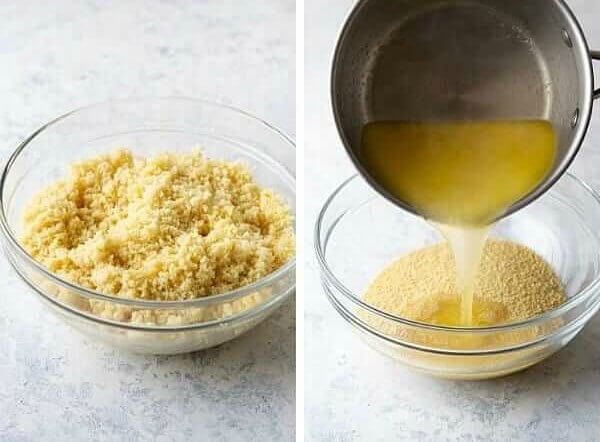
353	393
58	55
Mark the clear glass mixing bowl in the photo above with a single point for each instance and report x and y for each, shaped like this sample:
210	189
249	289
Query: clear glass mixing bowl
147	127
358	233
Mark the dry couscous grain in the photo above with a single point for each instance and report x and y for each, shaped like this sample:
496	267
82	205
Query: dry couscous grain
513	283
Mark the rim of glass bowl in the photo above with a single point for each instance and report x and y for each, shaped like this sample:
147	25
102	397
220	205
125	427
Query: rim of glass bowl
337	283
89	293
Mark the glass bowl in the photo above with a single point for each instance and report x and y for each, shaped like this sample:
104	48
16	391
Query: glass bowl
148	127
358	233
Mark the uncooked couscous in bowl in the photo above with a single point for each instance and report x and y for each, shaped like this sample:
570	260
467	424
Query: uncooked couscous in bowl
539	282
172	231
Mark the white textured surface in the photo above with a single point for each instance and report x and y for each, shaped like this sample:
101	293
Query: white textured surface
56	56
356	394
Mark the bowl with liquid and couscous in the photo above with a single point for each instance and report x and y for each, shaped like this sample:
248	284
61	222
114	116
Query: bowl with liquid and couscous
391	275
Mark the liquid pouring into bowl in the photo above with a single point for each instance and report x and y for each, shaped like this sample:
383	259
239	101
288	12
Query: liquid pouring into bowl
462	112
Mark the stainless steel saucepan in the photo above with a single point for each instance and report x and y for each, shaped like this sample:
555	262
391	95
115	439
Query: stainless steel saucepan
464	60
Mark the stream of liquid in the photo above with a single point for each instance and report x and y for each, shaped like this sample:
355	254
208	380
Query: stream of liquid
461	176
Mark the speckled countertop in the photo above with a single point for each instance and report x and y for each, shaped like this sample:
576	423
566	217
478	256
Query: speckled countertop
56	56
356	394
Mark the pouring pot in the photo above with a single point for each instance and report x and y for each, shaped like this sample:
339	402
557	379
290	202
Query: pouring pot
452	60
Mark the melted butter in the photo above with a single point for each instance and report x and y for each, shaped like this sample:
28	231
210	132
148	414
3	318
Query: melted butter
449	311
461	176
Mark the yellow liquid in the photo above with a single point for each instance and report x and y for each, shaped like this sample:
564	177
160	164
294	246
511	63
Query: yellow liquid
462	176
467	244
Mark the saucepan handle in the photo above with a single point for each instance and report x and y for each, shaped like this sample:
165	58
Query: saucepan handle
595	56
